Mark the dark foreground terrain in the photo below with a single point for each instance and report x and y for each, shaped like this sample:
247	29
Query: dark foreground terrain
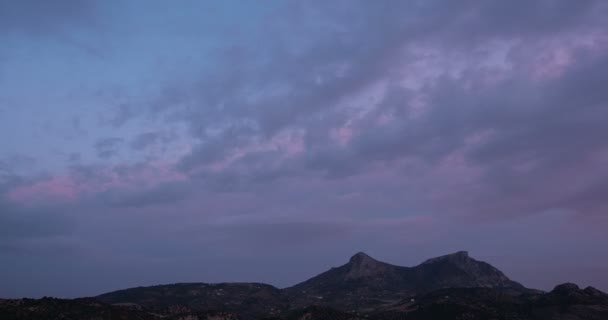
449	287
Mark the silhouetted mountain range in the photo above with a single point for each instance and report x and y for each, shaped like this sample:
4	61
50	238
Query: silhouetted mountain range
453	286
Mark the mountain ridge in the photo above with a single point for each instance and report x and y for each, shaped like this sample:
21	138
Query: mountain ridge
452	286
360	284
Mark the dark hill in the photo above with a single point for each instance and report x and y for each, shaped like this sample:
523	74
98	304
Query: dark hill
247	299
565	302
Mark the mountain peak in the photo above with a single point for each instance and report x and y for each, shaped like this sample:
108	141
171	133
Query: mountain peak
566	288
361	265
360	257
461	253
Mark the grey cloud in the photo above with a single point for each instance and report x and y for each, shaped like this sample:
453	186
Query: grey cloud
108	147
557	122
554	128
166	193
24	229
123	114
338	50
169	193
483	19
108	143
74	157
591	200
281	233
83	174
348	55
145	140
45	17
16	163
215	149
149	139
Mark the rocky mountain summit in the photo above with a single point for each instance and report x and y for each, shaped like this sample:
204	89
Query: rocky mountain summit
453	286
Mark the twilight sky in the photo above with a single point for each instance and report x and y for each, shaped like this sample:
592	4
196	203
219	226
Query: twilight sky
148	142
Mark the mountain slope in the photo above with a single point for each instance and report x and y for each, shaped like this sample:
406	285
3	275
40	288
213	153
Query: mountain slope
81	309
458	270
247	299
565	302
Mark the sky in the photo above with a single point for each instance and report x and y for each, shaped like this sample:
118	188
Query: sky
148	141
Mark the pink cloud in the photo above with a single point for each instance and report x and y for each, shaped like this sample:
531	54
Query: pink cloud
341	135
59	187
69	188
549	59
289	143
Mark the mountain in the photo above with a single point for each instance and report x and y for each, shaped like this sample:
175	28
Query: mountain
362	283
454	286
247	299
365	283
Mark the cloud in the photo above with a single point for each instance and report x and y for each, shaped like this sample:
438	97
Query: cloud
24	228
45	18
420	126
108	147
19	222
169	193
156	143
145	140
432	90
518	120
123	114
